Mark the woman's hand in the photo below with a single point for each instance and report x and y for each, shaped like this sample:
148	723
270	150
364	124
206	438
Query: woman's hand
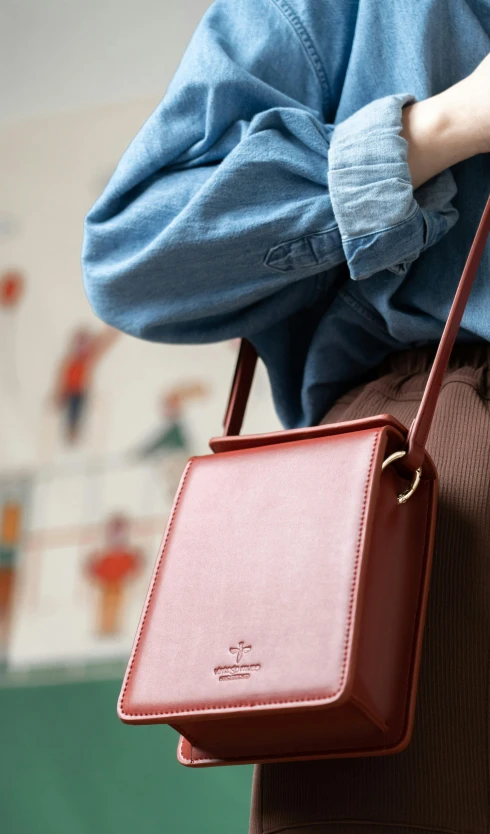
448	127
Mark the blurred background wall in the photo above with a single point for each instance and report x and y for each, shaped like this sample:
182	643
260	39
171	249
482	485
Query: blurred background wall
95	428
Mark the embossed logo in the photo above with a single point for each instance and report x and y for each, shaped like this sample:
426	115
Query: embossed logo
240	650
237	671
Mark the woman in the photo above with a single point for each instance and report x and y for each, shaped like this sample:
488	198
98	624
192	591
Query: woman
296	186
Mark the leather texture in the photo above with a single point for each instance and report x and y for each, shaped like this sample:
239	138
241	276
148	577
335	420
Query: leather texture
249	561
240	388
285	613
285	616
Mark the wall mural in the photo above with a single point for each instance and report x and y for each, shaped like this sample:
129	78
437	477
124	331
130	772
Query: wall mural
95	426
74	376
112	568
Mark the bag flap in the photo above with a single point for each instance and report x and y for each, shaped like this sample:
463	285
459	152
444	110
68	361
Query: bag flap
227	443
253	598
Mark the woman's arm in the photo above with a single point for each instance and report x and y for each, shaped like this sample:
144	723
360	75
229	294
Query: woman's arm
448	127
235	194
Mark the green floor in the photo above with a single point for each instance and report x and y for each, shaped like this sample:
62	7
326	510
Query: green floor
68	766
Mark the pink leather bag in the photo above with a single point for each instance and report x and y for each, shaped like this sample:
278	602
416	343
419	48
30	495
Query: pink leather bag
285	616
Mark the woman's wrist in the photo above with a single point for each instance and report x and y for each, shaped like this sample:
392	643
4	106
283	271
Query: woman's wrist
442	131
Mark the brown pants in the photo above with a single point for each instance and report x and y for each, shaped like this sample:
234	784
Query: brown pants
440	783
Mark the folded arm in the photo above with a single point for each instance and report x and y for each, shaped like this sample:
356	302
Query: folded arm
235	193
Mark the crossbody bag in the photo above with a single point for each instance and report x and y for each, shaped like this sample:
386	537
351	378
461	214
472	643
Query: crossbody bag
284	619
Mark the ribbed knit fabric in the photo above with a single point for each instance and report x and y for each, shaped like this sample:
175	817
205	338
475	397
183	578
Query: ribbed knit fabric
440	783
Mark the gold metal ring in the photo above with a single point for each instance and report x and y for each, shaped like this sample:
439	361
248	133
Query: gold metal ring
404	496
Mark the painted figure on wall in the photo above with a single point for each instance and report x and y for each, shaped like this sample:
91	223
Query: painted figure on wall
75	374
12	512
112	568
11	288
172	434
169	445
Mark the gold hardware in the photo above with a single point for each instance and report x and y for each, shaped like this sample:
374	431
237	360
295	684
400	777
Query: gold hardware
404	496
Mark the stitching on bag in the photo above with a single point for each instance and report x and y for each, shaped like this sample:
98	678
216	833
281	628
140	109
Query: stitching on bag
192	760
181	746
417	610
155	577
245	706
185	758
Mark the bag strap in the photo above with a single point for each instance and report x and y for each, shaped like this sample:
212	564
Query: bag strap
420	427
240	388
419	430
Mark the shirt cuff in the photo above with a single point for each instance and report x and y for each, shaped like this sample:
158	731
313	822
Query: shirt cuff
383	222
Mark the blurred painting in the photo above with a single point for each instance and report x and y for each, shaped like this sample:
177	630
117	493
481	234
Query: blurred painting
95	426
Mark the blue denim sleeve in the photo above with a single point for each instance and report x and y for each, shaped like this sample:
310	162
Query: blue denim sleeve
235	195
384	223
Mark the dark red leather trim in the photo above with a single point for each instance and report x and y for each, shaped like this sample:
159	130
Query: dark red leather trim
240	388
419	430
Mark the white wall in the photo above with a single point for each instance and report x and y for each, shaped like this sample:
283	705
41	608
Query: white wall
60	55
82	78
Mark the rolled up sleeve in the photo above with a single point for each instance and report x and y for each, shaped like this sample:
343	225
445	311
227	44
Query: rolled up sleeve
236	196
383	222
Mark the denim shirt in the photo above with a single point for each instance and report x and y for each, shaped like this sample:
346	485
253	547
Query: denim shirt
269	196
